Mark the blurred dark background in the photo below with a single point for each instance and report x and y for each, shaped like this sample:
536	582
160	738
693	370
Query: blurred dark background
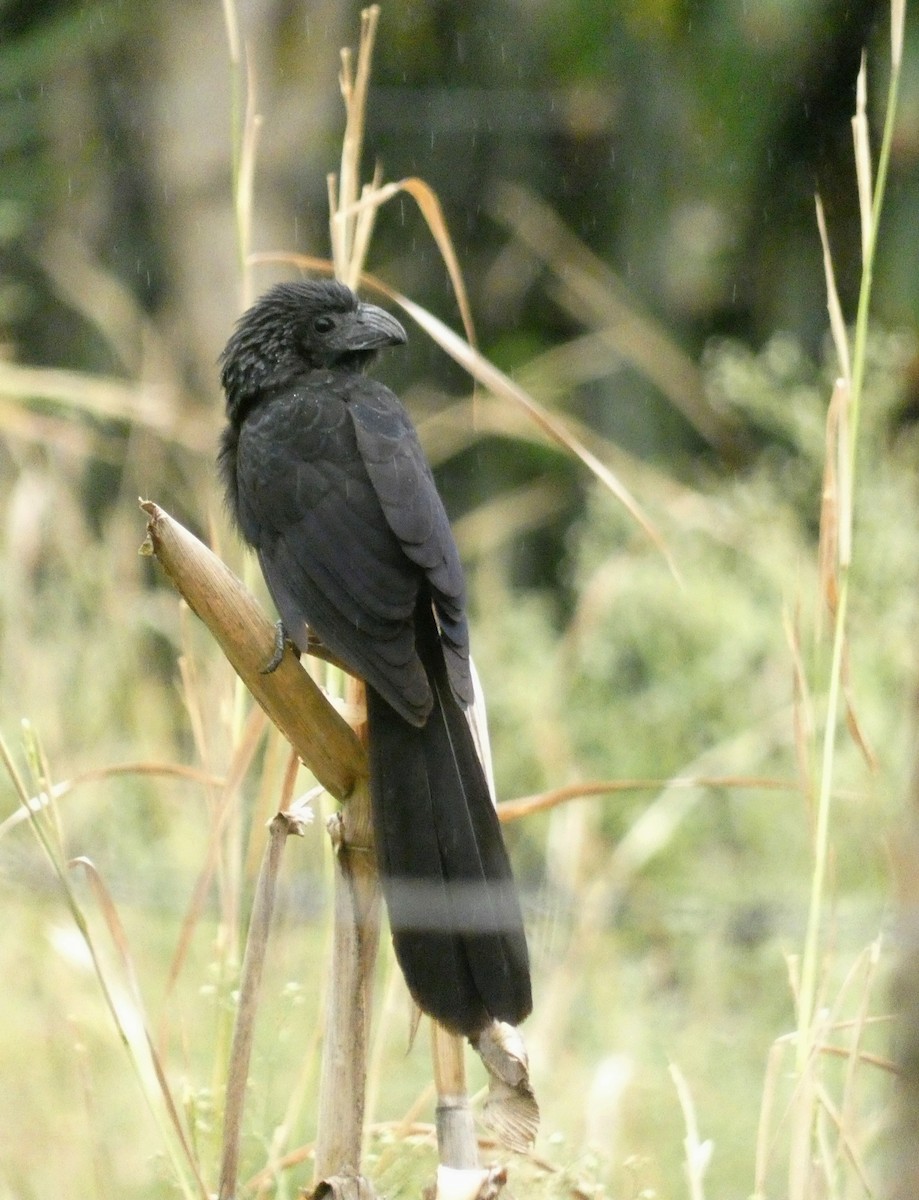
680	142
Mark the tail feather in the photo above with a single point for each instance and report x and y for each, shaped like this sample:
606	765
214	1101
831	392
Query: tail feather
453	908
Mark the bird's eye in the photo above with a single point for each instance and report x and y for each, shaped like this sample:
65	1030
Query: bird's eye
323	324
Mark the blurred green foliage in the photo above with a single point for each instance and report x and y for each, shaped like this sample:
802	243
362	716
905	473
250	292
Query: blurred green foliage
682	141
707	886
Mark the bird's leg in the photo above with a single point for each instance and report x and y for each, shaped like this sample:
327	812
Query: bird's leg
280	638
313	646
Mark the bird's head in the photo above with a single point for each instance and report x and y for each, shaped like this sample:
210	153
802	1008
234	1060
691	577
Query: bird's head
297	327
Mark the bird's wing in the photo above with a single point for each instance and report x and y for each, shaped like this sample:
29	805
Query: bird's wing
327	549
400	476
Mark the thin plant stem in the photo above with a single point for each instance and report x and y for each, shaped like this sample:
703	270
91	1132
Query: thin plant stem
44	825
250	983
810	964
864	297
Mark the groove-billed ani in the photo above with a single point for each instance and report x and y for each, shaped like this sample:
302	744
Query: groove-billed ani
327	480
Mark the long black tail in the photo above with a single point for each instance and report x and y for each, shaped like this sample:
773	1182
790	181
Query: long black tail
453	907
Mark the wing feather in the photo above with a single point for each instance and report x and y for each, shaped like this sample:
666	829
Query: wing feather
400	475
327	552
344	509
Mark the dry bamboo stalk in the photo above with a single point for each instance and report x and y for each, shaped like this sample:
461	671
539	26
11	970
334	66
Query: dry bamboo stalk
457	1145
354	87
250	981
355	938
321	737
335	754
356	929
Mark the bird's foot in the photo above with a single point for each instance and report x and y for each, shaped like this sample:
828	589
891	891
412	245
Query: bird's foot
280	640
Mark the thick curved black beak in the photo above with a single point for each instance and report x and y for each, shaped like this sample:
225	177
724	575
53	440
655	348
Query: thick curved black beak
373	328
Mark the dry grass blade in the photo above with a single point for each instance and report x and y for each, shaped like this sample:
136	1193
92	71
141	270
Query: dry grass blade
325	742
266	1180
862	143
366	219
151	406
56	431
591	290
512	810
351	218
264	803
802	712
811	1102
844	459
846	1144
837	323
458	427
897	29
67	786
354	87
19	786
767	1105
828	542
193	693
800	1154
501	385
698	1154
129	1018
245	180
242	757
142	1060
106	303
887	1065
834	548
867	968
328	267
506	518
120	942
853	724
430	207
856	1055
231	24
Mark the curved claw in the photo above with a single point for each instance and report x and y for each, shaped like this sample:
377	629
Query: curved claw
280	639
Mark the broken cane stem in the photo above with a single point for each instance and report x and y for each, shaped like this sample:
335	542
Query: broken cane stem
250	982
355	938
457	1145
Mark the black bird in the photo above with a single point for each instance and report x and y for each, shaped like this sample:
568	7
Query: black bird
326	478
